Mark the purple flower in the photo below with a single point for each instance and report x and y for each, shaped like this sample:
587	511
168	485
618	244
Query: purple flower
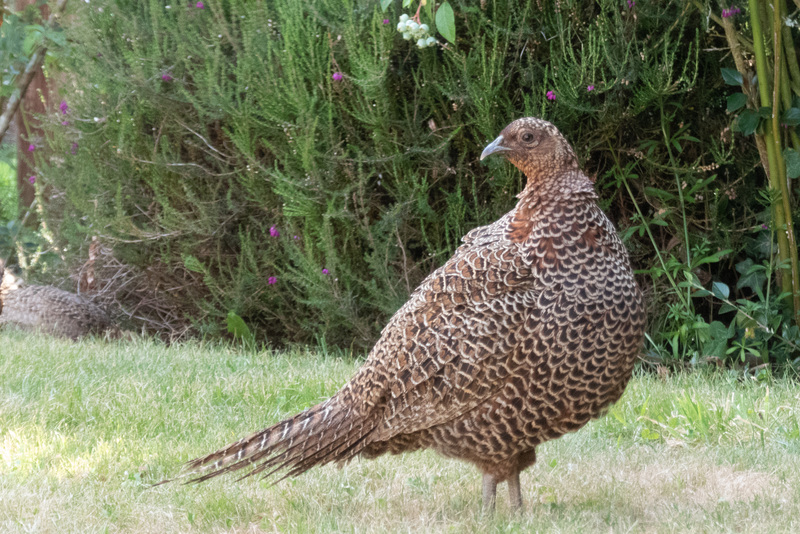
200	5
274	232
386	21
295	237
32	180
64	123
765	227
31	148
272	280
166	77
590	88
631	3
551	95
324	271
63	107
73	149
337	76
726	13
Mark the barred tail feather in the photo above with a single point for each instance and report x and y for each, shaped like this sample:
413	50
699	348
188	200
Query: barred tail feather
302	457
320	435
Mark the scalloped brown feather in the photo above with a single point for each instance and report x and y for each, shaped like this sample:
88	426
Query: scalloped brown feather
529	331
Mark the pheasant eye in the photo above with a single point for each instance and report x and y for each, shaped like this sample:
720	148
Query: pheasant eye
527	137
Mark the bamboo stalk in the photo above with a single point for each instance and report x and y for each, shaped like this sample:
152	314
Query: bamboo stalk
773	175
781	168
748	88
790	75
791	59
786	92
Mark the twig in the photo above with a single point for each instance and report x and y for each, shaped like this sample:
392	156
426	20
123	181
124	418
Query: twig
26	77
184	165
204	140
416	15
405	261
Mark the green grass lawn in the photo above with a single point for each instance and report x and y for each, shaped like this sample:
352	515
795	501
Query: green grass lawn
86	428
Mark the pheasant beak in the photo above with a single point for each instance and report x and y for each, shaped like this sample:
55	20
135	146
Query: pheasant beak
494	146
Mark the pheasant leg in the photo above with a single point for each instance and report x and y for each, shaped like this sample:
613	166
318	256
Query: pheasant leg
489	492
515	493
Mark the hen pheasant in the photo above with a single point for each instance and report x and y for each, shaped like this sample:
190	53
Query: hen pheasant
50	310
529	331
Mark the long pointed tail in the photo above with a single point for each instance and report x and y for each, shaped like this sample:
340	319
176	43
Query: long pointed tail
322	434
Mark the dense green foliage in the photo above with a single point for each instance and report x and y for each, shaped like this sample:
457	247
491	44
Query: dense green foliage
8	182
213	151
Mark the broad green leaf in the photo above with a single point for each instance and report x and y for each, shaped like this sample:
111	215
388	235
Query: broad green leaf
747	122
745	265
385	4
446	22
55	36
238	328
792	158
736	101
743	321
753	276
712	258
732	76
720	290
792	117
30	42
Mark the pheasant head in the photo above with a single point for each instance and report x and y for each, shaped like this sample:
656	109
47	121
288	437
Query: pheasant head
535	147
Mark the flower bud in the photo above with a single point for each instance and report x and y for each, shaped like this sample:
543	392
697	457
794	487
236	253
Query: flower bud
422	43
424	27
406	36
431	41
403	18
401	26
412	26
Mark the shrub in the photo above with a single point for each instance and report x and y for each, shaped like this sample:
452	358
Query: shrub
301	165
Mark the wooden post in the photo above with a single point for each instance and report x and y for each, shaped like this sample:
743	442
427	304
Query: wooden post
34	102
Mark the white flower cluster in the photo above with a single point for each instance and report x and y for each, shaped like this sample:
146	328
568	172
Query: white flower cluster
419	32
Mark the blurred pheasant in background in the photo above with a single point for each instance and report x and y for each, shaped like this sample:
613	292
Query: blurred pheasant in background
50	309
529	331
2	289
